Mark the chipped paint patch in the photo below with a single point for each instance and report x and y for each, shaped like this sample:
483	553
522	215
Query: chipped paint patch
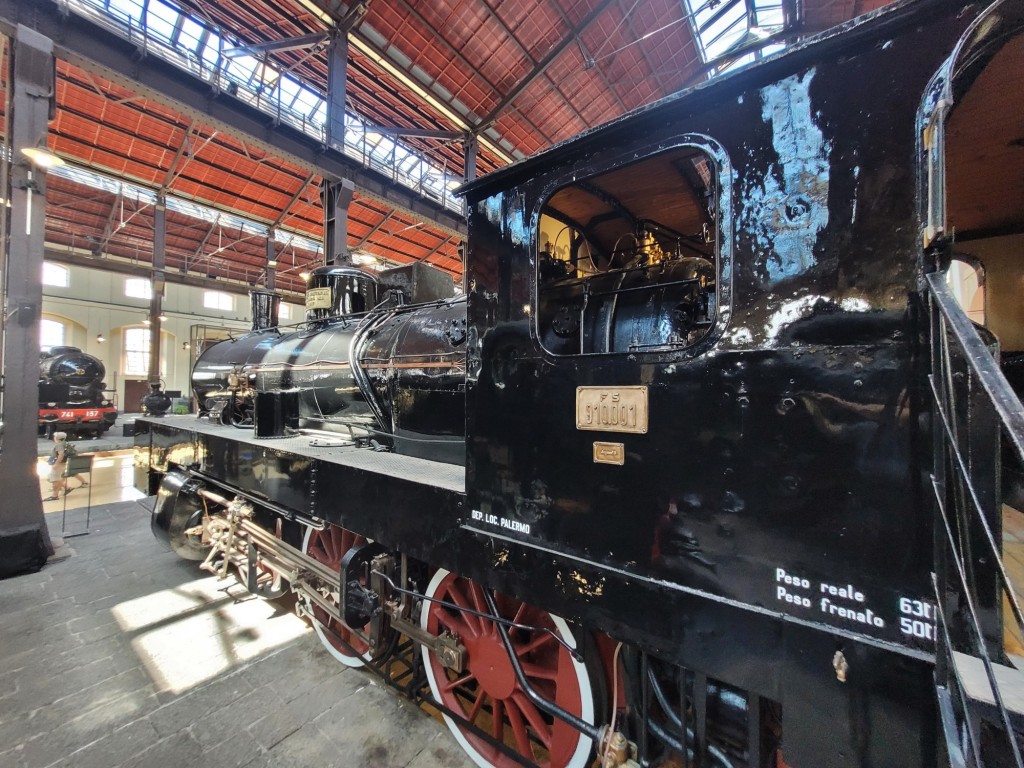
583	585
514	224
788	207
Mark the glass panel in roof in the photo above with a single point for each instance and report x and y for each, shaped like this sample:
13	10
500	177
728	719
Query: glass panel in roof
190	35
161	20
307	103
408	164
211	51
742	61
241	67
721	28
265	75
770	16
188	208
125	9
290	90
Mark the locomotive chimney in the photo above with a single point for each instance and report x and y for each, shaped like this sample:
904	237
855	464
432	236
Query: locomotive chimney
265	308
336	290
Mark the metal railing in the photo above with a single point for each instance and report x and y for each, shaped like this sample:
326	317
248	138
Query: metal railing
977	420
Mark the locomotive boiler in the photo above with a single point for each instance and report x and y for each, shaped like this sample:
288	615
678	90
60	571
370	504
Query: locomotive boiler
72	393
704	467
395	375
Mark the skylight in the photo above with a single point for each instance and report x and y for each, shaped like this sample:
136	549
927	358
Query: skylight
187	42
746	28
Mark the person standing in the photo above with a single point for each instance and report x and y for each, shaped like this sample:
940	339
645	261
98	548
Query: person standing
58	461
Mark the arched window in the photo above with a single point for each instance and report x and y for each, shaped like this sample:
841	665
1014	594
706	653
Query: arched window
51	334
136	351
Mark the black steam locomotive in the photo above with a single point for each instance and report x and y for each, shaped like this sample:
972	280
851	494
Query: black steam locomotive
72	395
703	467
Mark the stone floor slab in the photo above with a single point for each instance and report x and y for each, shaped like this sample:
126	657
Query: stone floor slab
124	656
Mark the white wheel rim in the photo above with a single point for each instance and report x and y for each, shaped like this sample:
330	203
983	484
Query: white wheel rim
348	661
582	753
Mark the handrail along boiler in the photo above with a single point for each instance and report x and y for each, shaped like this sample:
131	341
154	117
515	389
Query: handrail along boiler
669	484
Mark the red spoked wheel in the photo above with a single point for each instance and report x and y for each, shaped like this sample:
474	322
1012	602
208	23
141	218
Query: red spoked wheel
329	547
488	694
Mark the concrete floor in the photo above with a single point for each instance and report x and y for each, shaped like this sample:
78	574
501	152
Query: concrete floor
113	440
125	655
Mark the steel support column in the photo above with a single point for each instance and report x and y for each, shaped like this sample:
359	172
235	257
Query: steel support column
159	280
270	281
336	198
470	149
24	539
337	73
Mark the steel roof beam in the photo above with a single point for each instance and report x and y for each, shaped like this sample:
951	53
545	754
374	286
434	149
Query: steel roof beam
542	65
376	227
108	228
420	133
440	245
185	141
99	50
340	15
294	199
158	284
277	46
33	71
197	255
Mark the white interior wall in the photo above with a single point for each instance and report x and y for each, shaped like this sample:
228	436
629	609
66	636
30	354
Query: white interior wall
94	303
1002	258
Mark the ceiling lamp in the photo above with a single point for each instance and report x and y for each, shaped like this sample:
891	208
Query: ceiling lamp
100	338
272	263
305	276
42	157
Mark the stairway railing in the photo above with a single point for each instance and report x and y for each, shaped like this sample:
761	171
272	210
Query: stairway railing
976	417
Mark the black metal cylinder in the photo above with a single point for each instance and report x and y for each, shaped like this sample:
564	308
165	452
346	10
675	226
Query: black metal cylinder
338	290
266	306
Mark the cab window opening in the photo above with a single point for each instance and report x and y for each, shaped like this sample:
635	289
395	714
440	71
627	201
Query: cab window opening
628	259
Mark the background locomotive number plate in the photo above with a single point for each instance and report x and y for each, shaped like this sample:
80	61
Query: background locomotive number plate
612	409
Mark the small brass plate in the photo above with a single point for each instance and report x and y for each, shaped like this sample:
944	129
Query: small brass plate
609	453
612	409
318	298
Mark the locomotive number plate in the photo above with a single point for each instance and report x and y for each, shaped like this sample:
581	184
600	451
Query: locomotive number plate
318	298
612	409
